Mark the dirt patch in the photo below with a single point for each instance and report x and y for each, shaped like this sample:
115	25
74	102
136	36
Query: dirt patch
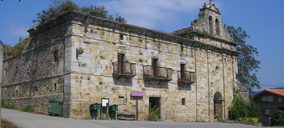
6	124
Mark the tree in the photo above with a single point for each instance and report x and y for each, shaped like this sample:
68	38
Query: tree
247	59
60	6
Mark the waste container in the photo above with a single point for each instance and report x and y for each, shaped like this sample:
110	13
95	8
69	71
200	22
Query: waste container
94	109
112	111
55	108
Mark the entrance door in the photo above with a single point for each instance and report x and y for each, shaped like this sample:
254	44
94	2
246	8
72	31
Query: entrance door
218	108
154	106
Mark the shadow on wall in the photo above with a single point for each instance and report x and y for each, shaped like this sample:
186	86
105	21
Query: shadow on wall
123	82
156	84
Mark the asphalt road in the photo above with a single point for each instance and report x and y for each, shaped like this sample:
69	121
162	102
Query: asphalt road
28	120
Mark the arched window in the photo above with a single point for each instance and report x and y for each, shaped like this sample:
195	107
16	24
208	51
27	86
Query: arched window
211	24
217	23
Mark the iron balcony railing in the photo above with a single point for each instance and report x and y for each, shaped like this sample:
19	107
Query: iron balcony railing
124	69
186	77
157	73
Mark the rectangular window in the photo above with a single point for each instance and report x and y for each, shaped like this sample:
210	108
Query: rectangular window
182	71
270	99
267	111
55	55
155	66
121	37
183	101
264	98
121	100
279	99
120	59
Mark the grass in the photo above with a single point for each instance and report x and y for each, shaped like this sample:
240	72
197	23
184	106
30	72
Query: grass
7	105
28	108
7	124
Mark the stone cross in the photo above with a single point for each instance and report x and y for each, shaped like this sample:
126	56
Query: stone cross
210	1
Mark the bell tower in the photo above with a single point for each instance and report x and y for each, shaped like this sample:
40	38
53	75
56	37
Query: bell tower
210	21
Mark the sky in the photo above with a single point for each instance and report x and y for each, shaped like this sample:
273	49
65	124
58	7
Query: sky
262	20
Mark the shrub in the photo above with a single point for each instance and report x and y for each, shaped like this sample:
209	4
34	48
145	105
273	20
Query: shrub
28	108
7	105
154	115
241	109
277	118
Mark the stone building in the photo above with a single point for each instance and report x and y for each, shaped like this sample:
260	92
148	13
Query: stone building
79	60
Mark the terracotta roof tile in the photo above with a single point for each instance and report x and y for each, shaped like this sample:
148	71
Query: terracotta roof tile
276	91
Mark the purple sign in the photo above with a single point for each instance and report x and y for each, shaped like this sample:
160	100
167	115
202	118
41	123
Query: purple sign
137	94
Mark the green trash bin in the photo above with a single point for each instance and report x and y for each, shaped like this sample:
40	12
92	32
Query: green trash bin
55	108
94	110
112	111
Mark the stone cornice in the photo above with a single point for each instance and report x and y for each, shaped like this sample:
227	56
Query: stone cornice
80	17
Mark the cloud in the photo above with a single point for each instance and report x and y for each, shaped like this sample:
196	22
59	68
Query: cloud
18	31
150	13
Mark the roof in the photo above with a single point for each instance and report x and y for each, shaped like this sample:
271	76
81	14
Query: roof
279	92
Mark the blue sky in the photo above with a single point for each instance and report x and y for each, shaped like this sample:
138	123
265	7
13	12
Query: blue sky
263	21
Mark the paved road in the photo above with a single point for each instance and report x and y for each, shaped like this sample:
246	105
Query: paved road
28	120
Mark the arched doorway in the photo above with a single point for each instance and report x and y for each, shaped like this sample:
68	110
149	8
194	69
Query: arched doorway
218	114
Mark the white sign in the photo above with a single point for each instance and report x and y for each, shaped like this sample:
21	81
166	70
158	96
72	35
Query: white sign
104	102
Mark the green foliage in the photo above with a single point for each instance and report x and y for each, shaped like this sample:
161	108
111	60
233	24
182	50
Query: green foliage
154	115
98	11
28	108
249	120
241	109
277	118
60	6
17	49
7	105
247	59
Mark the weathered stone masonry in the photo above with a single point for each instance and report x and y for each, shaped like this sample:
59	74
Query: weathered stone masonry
71	59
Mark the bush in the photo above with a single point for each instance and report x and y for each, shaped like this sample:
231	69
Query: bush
154	115
277	118
7	105
241	109
28	108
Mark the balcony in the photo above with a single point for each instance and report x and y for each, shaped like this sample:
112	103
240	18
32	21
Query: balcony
160	74
186	77
124	70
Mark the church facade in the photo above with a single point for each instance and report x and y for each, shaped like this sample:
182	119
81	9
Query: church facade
187	75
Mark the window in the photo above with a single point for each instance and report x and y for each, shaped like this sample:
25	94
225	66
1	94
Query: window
264	99
270	98
211	24
217	25
279	99
155	66
182	71
183	101
55	87
55	55
267	111
121	37
120	59
122	100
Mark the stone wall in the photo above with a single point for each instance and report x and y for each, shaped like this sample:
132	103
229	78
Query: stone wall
37	75
92	79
